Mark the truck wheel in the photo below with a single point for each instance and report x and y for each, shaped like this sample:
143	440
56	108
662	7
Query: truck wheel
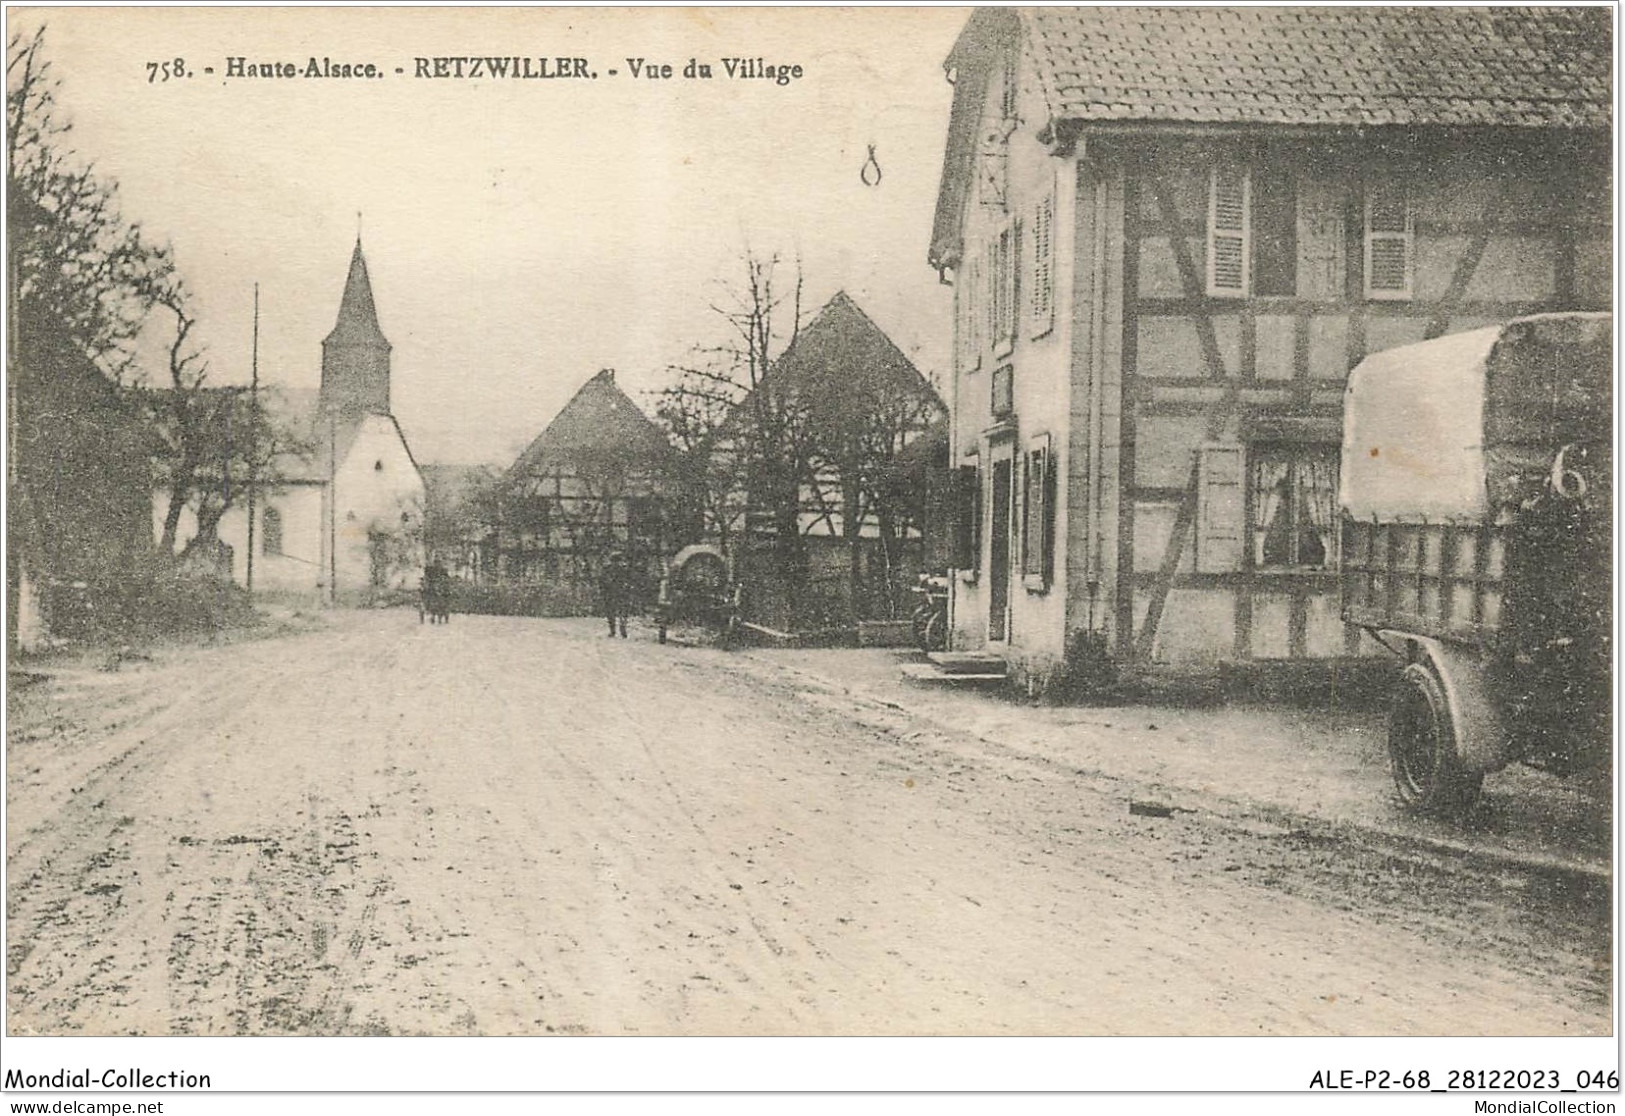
1422	748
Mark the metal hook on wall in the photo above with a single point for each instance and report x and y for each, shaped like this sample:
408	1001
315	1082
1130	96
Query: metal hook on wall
871	162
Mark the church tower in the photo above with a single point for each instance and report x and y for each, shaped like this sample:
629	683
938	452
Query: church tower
355	356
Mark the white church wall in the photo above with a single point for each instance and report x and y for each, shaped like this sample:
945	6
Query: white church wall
380	492
297	569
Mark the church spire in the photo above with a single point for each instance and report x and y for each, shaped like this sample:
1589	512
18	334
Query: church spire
355	356
358	314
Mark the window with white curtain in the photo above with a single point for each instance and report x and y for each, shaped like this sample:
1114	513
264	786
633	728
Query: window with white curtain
1293	497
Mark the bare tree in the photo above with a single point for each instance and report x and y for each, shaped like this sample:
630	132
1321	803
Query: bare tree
861	428
94	281
794	432
76	263
744	436
211	442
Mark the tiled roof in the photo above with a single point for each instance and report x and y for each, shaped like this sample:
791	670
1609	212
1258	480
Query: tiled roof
846	368
600	420
841	344
1407	65
1332	66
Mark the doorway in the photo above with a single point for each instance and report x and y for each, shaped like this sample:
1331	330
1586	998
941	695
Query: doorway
998	589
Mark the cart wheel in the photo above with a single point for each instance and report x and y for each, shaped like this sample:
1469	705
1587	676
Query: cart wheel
1422	749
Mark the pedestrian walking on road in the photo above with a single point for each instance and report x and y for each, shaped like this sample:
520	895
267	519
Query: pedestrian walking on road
615	589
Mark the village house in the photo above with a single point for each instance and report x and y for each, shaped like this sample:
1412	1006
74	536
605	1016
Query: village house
827	463
594	482
80	482
341	518
1171	233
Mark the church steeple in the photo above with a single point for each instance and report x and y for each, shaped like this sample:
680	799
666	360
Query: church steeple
355	355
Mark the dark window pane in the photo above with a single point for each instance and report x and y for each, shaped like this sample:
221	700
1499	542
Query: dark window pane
1275	234
1003	391
967	526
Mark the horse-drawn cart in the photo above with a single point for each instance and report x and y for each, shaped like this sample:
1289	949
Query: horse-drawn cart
699	587
1477	499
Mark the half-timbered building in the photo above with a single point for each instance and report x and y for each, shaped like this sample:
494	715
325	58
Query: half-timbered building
1171	233
595	481
825	466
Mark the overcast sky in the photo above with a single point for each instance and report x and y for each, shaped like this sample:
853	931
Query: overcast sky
521	234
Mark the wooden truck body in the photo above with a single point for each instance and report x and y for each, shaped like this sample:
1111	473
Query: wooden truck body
1477	498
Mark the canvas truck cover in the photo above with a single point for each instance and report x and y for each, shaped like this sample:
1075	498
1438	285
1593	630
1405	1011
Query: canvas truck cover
1428	427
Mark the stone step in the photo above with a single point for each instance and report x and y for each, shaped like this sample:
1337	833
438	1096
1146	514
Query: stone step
968	662
927	672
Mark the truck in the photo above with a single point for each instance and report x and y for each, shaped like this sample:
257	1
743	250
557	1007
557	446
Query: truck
1476	502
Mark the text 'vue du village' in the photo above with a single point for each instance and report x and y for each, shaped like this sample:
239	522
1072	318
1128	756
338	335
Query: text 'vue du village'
519	66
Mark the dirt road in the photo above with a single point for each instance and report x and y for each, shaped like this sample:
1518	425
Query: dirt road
511	826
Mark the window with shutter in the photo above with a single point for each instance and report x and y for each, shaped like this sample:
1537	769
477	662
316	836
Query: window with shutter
1387	240
967	335
1042	301
1003	385
990	293
1002	319
1051	481
1220	508
1229	232
1038	512
967	519
1012	305
961	330
1274	234
973	312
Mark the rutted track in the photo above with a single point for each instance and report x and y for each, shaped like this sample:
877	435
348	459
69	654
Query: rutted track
508	826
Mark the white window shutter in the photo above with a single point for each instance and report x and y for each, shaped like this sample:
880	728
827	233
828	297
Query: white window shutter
1042	300
962	318
975	310
1387	240
1220	507
1003	288
990	267
960	346
1012	280
1229	233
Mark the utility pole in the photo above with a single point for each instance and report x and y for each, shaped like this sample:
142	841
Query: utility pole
253	433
